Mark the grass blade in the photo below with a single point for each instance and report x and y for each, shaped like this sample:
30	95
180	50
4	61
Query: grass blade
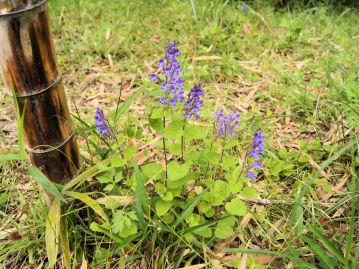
94	170
45	183
297	212
89	202
355	261
52	231
354	211
329	245
141	197
189	208
126	105
327	261
65	244
10	157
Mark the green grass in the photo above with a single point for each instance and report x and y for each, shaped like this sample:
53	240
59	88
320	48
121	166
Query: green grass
294	70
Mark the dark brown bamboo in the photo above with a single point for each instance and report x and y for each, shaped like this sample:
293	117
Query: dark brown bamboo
29	69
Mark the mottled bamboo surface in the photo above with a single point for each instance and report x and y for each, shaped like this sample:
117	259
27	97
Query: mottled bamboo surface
29	68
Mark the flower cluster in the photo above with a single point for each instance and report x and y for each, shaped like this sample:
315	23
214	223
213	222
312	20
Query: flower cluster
172	84
256	152
194	102
226	124
101	124
258	145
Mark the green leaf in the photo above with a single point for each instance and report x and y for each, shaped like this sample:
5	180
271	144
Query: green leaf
174	130
129	153
123	224
229	162
158	113
177	171
194	132
89	202
117	161
211	156
162	207
223	231
250	193
97	228
189	208
156	124
52	231
220	192
45	183
235	186
236	207
152	171
175	148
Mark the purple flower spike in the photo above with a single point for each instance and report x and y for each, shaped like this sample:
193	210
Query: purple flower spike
258	145
256	152
101	124
251	170
194	102
173	83
227	124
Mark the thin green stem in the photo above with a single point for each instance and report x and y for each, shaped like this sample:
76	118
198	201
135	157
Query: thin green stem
183	143
164	146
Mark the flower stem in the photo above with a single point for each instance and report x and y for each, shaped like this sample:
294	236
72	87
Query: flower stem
223	145
164	145
182	144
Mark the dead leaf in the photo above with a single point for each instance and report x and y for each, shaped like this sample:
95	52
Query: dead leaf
84	264
243	263
110	61
263	259
206	58
108	34
122	200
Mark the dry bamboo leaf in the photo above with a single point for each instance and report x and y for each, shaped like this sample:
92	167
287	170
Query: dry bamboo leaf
108	34
110	61
243	263
337	187
275	227
339	212
84	263
263	259
207	58
316	166
40	266
122	200
245	220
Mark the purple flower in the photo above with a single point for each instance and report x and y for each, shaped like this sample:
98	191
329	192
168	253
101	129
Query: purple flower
154	77
194	102
102	124
251	170
226	124
258	145
173	83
